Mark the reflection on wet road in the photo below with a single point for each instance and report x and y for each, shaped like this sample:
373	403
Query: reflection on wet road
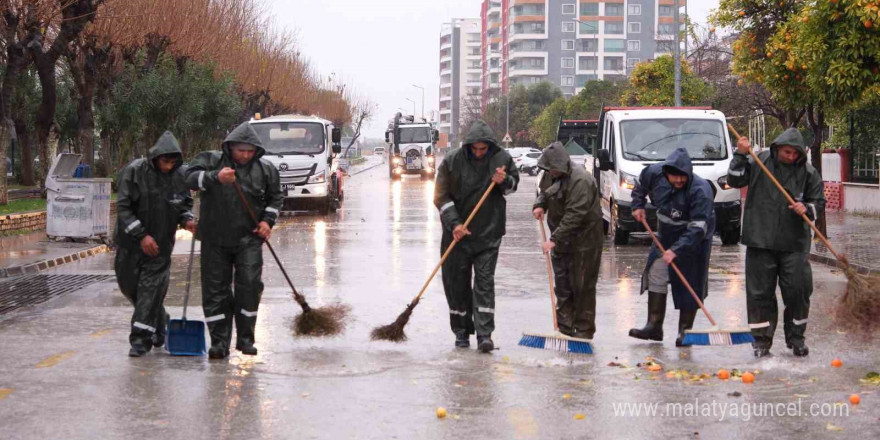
374	255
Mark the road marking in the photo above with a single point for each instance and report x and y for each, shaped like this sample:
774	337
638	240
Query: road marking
100	333
55	359
523	423
5	392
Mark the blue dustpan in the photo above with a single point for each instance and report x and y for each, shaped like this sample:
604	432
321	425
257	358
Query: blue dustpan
186	337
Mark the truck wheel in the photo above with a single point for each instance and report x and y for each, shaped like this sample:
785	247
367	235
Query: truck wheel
730	236
621	237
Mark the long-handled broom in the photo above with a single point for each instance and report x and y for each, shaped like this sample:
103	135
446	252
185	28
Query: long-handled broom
714	335
556	341
394	332
860	306
323	321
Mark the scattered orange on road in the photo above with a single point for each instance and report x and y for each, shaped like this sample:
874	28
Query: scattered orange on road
836	363
748	377
723	374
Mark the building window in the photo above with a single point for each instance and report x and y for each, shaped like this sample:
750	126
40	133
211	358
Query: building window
569	9
614	27
613	63
567	44
588	63
590	9
613	10
589	27
568	63
567	81
666	29
634	27
665	11
589	45
631	62
635	10
664	46
615	45
633	45
568	26
567	95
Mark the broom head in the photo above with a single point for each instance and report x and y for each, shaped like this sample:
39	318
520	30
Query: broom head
716	336
394	332
322	321
557	342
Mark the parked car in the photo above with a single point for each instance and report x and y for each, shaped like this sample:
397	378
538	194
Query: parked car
529	163
519	153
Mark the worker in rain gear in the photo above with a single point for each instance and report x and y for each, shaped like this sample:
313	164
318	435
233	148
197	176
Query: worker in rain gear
686	214
152	201
232	250
570	199
777	238
462	178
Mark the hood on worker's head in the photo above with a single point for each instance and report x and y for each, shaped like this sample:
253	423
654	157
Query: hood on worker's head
555	158
244	134
679	160
166	145
481	132
793	138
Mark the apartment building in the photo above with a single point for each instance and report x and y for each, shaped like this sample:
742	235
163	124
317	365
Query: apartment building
460	72
569	42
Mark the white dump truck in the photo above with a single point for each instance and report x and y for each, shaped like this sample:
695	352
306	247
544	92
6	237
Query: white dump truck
411	147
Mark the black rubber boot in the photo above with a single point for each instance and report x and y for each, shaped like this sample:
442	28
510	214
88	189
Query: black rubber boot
800	349
653	330
685	322
137	350
462	340
485	344
161	330
247	348
218	353
762	351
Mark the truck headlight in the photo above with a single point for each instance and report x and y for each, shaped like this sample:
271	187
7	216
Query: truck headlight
317	178
627	181
722	182
431	160
396	160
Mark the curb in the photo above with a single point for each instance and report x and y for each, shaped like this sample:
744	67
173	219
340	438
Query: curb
367	169
46	264
831	261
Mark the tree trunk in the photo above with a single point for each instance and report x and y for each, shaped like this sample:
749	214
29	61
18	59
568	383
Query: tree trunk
816	121
7	133
106	146
27	157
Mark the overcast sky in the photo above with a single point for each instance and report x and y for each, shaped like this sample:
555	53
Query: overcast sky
381	47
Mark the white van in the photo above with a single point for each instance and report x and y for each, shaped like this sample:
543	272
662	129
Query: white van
631	138
304	149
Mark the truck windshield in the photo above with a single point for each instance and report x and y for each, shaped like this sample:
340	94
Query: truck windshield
413	135
655	139
291	137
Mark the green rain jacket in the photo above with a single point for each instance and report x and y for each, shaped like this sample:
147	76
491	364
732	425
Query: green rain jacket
223	220
462	180
150	202
571	202
768	223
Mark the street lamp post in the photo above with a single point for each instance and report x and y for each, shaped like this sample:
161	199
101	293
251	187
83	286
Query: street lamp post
595	30
414	106
506	63
423	99
676	53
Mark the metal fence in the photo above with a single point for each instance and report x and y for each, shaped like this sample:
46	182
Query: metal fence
864	144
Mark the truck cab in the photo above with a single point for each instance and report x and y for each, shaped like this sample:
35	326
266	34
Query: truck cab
631	138
304	149
411	147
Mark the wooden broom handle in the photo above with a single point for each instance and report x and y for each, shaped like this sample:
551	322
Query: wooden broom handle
791	201
680	275
549	275
454	241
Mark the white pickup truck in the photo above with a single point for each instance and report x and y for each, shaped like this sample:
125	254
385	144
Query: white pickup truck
631	138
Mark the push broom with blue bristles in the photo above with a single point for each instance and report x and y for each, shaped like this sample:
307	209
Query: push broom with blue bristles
714	335
556	341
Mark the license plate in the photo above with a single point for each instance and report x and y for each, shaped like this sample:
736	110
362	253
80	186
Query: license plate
287	187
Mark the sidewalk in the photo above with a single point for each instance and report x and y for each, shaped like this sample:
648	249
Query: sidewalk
32	253
856	236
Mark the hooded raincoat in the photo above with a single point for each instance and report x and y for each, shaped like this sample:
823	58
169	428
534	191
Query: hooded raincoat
231	253
573	213
686	220
155	204
777	239
461	181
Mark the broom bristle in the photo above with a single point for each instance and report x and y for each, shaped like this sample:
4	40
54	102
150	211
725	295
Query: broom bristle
323	321
394	332
859	308
717	337
557	343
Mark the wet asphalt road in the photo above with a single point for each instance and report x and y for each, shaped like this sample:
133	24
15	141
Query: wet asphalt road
65	373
